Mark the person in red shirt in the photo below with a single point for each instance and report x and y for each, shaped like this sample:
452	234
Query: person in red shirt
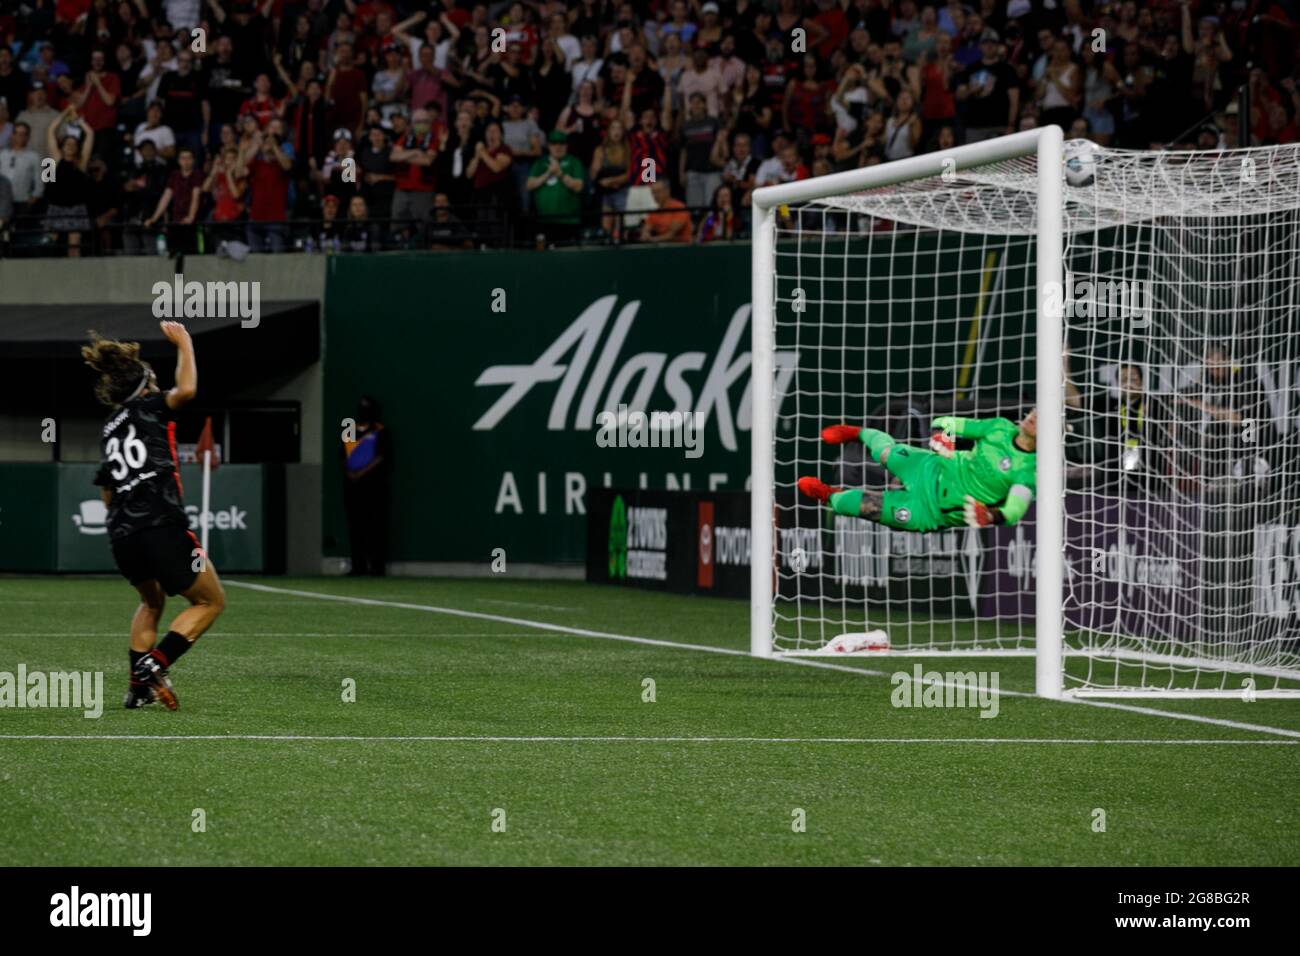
262	106
346	87
367	11
226	187
98	96
266	167
413	156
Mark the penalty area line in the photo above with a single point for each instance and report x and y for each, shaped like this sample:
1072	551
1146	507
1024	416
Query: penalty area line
734	652
457	739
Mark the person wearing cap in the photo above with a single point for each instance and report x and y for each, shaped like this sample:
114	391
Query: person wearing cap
330	175
414	156
989	93
710	33
38	116
556	181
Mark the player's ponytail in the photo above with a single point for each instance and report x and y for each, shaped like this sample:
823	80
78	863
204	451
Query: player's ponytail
122	373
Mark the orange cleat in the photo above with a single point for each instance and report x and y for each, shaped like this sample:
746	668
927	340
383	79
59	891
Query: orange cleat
841	434
816	488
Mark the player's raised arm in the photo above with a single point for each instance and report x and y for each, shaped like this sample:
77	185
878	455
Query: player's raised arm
187	372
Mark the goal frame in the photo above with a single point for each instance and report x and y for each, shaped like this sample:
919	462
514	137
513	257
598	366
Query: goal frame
1047	144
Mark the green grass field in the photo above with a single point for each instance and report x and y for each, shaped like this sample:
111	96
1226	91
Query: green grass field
459	716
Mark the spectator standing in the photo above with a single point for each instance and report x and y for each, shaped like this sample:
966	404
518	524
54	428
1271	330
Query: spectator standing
524	137
14	83
414	158
739	172
180	201
67	196
1060	91
581	122
142	192
267	166
609	175
377	172
390	87
345	87
97	100
903	128
989	92
262	106
703	154
38	116
489	170
21	166
225	187
182	93
556	182
705	79
426	82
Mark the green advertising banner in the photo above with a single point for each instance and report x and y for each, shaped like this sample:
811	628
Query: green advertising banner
238	518
27	517
493	369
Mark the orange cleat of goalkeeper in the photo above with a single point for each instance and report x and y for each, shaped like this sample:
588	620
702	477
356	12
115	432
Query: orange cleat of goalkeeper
989	484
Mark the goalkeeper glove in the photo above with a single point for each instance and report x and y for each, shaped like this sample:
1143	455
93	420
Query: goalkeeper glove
840	434
945	423
980	515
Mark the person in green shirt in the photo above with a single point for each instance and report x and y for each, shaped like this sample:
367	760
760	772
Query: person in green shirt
555	182
991	483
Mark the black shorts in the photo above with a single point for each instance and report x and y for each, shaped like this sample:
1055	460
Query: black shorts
165	555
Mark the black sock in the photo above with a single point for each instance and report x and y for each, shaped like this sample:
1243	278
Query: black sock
135	659
171	647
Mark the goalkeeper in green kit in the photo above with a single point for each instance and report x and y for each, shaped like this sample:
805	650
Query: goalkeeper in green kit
992	483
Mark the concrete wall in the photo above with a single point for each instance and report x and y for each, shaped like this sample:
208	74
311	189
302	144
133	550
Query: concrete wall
130	279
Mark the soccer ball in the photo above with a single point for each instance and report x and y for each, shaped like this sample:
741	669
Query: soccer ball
1081	162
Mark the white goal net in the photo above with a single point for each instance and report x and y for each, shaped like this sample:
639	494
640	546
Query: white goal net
1175	465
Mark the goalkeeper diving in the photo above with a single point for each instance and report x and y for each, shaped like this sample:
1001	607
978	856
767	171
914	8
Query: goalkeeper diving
989	484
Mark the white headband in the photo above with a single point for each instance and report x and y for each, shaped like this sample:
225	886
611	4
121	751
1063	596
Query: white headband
139	388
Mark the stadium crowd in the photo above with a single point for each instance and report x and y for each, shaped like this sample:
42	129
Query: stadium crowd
174	125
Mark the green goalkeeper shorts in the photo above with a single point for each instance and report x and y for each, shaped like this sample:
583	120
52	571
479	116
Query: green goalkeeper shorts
930	498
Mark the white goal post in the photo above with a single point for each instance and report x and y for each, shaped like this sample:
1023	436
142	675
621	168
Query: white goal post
941	284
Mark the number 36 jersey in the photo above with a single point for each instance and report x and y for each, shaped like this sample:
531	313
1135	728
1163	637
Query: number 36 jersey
139	467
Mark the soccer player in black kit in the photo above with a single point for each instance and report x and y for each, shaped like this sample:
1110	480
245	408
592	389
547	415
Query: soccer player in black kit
141	485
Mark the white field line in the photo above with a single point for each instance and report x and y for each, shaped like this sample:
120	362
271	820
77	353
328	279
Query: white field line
305	738
227	635
732	652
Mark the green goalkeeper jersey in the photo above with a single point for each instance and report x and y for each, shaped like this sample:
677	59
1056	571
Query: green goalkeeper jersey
995	465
